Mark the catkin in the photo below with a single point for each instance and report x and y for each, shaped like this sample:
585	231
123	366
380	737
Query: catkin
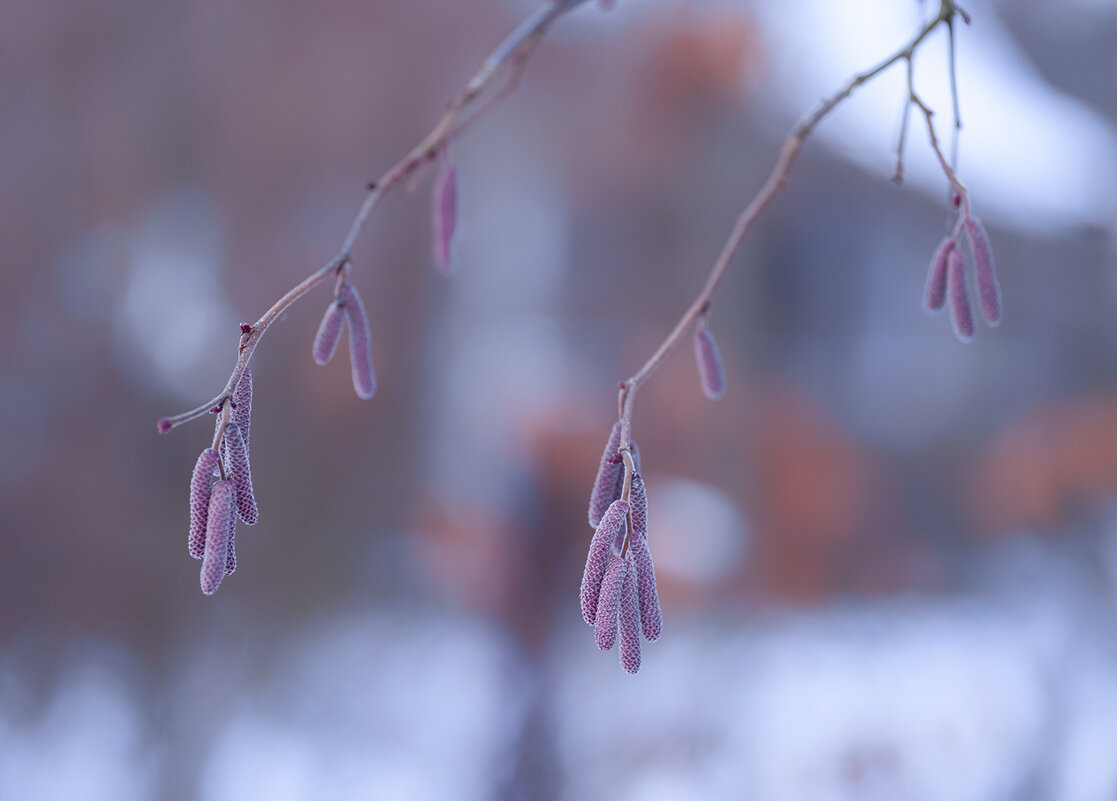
597	560
609	473
960	315
329	334
988	290
935	296
240	471
711	372
360	342
222	517
630	621
609	603
444	216
200	491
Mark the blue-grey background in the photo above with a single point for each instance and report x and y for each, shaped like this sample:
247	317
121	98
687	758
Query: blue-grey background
888	561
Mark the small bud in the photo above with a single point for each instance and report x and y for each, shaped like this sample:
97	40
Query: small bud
609	603
242	405
961	315
612	526
246	328
329	334
987	288
605	484
164	425
200	492
222	517
240	471
630	621
710	370
444	216
651	616
934	297
360	348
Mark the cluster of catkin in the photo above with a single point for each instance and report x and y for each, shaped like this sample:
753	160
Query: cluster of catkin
618	585
947	277
216	505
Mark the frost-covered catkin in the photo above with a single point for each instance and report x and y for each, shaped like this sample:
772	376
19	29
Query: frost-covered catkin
630	621
935	296
612	524
711	373
329	334
444	216
988	290
360	342
200	491
605	484
651	616
609	603
242	406
222	516
960	313
240	471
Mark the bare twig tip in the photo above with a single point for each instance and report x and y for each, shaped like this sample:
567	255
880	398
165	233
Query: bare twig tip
164	425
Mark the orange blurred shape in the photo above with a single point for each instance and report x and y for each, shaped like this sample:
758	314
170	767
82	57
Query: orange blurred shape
814	495
1046	466
704	53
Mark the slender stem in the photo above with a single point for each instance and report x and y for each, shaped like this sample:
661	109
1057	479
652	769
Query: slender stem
959	187
898	177
512	53
777	179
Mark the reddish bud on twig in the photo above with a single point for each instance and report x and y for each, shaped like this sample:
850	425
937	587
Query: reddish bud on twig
164	425
329	334
200	492
240	471
934	297
630	621
612	526
360	342
605	485
609	603
246	328
710	370
960	313
444	216
988	290
222	517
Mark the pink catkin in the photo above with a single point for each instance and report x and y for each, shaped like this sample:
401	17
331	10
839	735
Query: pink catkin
651	616
360	342
329	334
638	501
612	524
609	603
960	313
630	621
935	296
444	216
242	406
222	517
240	471
619	487
231	556
989	291
605	485
711	373
200	492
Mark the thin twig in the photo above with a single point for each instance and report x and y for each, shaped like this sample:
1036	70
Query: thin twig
511	53
777	179
898	176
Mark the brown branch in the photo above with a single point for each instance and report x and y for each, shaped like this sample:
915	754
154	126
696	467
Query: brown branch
510	56
777	179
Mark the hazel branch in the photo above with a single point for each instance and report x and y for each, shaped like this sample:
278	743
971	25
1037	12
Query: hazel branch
775	182
509	57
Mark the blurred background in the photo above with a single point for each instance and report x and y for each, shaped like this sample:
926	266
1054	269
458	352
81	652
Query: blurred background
887	560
